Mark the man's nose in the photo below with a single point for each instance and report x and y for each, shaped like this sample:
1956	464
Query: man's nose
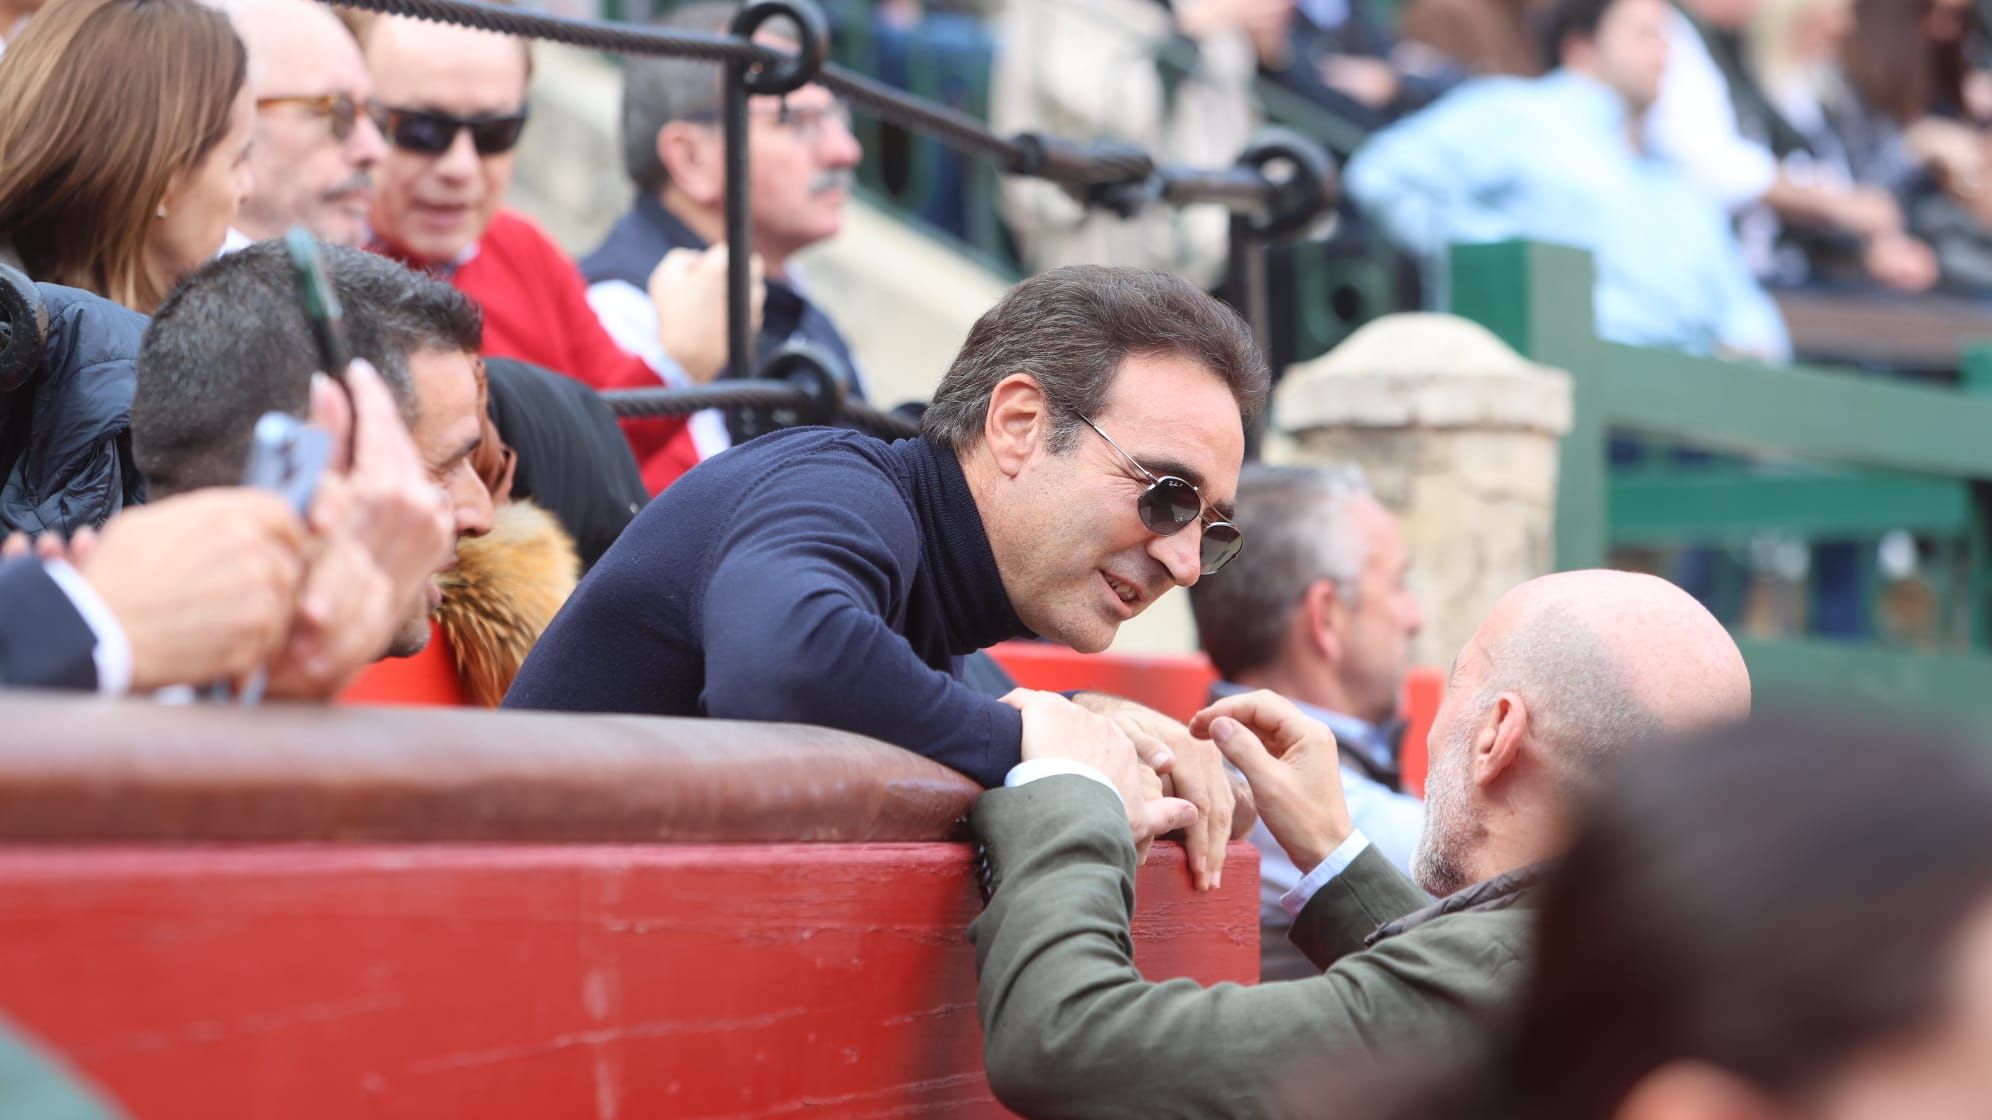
366	146
839	145
1181	552
460	160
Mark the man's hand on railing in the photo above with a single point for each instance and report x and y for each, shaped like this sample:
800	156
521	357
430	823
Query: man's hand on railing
1190	768
1057	728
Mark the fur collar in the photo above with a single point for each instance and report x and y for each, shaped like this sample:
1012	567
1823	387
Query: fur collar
506	588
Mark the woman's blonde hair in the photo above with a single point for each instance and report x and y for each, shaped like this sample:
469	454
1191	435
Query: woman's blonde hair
1772	40
105	101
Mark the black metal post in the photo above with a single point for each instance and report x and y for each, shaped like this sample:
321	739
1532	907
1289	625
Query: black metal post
739	235
811	38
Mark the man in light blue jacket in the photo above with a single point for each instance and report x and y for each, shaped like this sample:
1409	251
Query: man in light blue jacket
1562	158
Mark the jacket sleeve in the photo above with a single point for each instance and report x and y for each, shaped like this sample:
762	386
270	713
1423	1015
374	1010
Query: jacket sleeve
1349	907
44	641
1071	1029
795	623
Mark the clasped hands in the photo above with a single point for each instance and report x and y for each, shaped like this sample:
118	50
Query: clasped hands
1172	777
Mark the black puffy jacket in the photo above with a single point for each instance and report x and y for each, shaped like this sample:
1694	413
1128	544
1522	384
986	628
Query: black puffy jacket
65	421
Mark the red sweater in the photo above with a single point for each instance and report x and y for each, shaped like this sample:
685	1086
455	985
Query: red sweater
536	310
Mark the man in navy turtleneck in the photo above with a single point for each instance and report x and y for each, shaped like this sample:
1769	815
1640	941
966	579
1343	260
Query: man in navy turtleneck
821	576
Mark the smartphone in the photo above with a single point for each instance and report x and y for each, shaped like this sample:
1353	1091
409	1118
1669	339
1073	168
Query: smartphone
286	457
321	303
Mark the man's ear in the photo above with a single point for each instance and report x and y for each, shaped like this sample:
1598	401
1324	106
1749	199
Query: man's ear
1498	743
1017	423
695	163
1325	616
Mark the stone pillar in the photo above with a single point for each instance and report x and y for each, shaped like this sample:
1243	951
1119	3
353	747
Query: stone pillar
1458	434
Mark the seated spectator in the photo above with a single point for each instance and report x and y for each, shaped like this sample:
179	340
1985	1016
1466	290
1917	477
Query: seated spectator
1782	920
1319	611
194	414
1559	159
65	412
824	577
217	585
453	103
316	143
1090	70
800	159
1913	102
120	187
1567	673
1713	122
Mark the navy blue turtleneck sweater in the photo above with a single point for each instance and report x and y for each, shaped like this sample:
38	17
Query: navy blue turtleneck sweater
809	576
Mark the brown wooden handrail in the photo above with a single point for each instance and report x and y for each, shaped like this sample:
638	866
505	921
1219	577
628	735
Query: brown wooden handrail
82	769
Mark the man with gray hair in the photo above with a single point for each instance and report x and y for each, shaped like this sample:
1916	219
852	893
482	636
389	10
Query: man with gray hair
1320	611
800	157
1567	673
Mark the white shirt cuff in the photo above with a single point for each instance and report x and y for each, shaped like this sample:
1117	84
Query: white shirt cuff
1338	861
1031	770
113	652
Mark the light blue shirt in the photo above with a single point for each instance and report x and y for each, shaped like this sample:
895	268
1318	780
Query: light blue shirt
1551	159
1391	821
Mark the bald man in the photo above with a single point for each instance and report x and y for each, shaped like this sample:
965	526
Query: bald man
1567	672
315	148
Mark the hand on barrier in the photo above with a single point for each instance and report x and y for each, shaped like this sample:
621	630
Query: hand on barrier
1055	727
1293	766
1191	768
688	289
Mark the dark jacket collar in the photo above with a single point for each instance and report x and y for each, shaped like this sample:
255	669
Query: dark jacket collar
955	548
1499	893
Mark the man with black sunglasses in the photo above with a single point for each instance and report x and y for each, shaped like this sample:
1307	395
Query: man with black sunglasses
315	149
451	102
1077	462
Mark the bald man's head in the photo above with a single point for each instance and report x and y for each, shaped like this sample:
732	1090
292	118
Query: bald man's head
1567	672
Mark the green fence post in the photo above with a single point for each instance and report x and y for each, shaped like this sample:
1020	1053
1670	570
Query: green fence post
1975	369
1537	299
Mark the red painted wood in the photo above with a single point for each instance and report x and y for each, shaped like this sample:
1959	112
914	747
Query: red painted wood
499	981
1424	688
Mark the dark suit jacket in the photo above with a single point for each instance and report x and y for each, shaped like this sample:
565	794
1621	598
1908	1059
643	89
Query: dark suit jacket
44	643
1071	1029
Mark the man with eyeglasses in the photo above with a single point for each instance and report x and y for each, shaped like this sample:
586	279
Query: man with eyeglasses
315	148
452	104
1077	462
800	158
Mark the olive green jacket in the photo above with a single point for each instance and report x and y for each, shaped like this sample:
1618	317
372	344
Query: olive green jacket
1071	1029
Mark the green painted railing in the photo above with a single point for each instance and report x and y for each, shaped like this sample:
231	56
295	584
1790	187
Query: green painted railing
1873	455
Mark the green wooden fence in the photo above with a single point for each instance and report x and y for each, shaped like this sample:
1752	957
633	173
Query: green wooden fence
1873	455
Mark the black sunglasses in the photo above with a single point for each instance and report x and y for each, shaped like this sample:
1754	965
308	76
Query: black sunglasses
1171	504
432	133
339	109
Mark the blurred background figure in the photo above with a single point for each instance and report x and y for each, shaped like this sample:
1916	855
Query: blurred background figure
316	143
14	16
121	178
1782	920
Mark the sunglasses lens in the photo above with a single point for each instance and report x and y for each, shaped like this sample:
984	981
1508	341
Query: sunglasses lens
1221	541
1168	505
418	132
495	136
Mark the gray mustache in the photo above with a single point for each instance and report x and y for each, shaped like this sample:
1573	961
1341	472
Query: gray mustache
837	178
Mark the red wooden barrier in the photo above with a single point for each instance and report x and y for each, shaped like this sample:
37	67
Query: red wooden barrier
400	956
